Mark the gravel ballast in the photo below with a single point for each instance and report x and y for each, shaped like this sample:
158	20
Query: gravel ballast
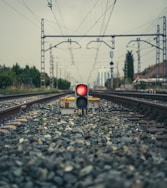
104	149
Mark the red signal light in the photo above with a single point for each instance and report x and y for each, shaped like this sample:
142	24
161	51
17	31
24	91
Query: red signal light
81	96
81	89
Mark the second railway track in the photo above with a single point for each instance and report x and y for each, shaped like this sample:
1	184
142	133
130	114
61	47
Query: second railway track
8	112
149	108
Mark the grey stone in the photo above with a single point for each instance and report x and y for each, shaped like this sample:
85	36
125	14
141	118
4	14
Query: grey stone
86	170
96	151
17	171
58	180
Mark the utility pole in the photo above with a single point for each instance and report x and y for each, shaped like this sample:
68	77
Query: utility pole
60	73
57	87
164	48
113	36
51	68
158	52
117	74
126	72
43	84
138	56
111	67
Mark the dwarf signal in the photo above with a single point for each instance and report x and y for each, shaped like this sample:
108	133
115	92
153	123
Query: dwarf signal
81	96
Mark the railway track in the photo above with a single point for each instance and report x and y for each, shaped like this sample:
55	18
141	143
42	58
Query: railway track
150	96
150	109
9	112
17	96
47	149
111	146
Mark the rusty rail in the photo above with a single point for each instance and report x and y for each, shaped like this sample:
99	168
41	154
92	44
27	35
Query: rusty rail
12	111
153	110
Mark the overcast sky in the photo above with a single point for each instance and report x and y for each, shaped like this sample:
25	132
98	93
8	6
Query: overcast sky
20	34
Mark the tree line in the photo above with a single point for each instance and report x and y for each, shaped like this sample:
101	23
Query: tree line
27	77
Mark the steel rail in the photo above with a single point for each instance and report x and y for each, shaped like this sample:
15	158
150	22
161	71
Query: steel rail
5	97
153	96
12	111
153	110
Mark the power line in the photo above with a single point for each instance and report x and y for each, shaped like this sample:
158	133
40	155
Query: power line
18	12
97	51
30	10
89	12
61	30
104	17
111	12
57	5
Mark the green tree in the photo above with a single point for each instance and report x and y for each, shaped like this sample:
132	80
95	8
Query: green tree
7	77
35	76
63	84
5	81
17	70
27	75
129	66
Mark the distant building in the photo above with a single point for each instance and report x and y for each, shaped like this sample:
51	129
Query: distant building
102	76
154	71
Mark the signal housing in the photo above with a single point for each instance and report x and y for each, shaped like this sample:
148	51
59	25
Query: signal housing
81	96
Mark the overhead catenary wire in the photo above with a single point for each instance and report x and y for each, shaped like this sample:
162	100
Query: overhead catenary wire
87	15
148	54
97	51
62	32
105	12
99	18
44	10
24	4
20	13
